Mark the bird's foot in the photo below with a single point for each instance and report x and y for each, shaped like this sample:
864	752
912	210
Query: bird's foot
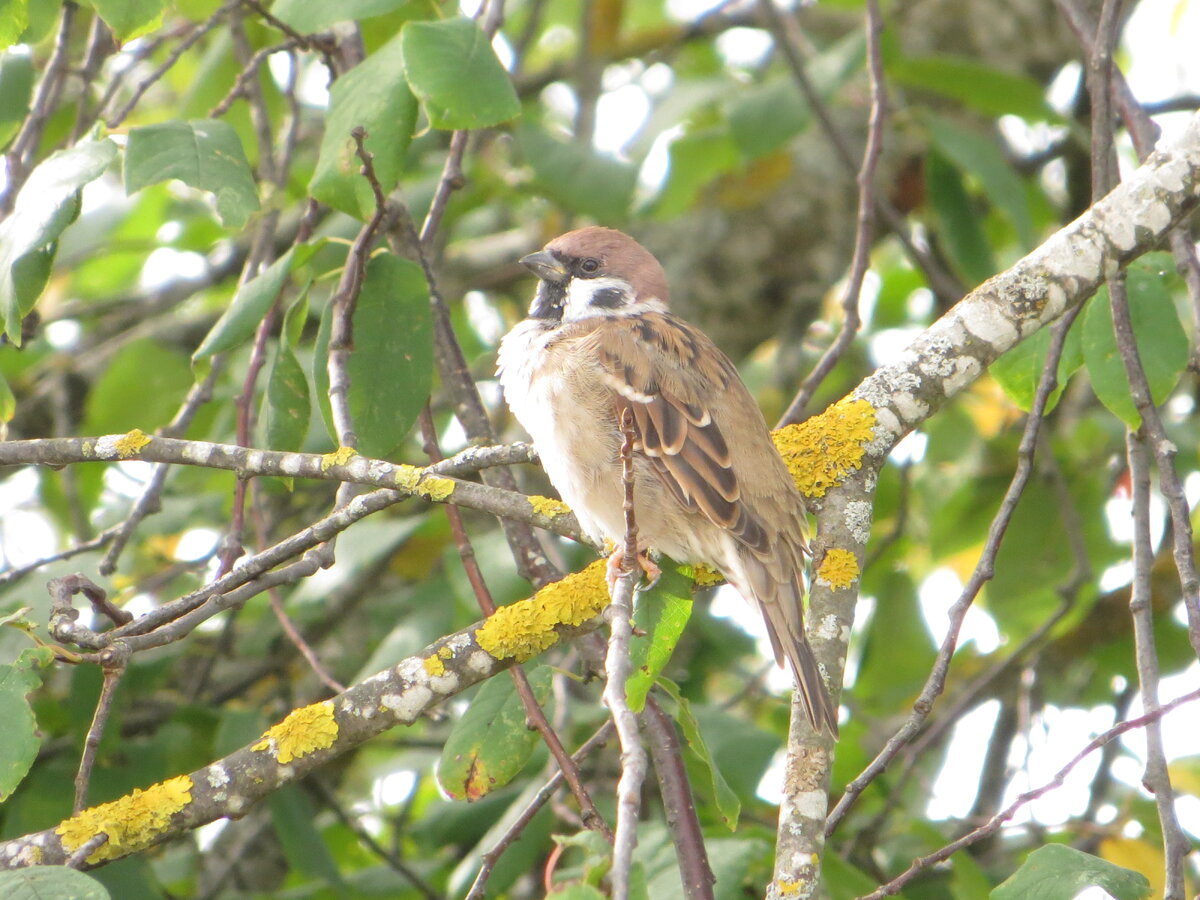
616	564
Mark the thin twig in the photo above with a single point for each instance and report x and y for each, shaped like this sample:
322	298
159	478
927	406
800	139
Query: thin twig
534	713
864	225
995	822
984	570
90	846
617	667
392	860
521	822
181	48
114	663
1156	778
678	804
786	31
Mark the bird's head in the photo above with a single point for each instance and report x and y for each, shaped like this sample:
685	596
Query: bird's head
595	272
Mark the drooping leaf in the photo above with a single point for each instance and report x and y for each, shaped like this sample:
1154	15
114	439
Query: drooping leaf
696	160
14	17
1020	369
726	800
662	614
452	68
981	156
375	96
976	85
251	303
307	17
1161	341
21	739
131	18
16	87
203	153
8	402
391	368
288	402
293	815
765	117
1059	872
491	743
50	883
958	221
47	203
577	177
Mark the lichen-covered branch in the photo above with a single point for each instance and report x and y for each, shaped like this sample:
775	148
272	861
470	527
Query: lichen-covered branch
311	736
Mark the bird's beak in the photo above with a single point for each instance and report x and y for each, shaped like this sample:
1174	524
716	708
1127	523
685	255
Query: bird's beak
545	266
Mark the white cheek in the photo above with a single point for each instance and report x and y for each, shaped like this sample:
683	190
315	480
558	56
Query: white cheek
580	292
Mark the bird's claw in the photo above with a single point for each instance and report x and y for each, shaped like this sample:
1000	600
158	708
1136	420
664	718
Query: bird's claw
616	564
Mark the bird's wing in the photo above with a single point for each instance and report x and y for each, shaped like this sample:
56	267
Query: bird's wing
666	373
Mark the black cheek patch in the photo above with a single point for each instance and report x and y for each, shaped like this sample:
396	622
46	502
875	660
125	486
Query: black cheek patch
608	298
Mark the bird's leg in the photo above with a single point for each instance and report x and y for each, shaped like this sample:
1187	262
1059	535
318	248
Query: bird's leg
616	561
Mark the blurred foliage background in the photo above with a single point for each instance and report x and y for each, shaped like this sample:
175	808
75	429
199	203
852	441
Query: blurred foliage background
216	145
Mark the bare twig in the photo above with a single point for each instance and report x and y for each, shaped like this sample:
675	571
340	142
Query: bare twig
786	32
678	804
113	663
1156	778
984	571
16	574
995	822
534	713
617	667
864	228
521	822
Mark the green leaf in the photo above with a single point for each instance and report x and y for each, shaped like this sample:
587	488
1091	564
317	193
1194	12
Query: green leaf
21	738
576	177
727	803
391	368
47	204
981	156
50	883
203	153
307	17
131	18
1020	369
288	402
765	117
373	95
696	159
14	16
251	302
16	87
976	85
453	70
491	743
8	402
293	816
140	387
958	221
661	615
1059	872
575	892
1161	341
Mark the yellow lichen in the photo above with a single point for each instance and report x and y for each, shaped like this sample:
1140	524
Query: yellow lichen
825	449
839	568
434	666
435	487
303	731
131	823
550	508
706	576
338	457
415	481
132	443
524	629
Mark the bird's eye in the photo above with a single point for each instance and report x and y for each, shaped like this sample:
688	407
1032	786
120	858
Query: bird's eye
590	265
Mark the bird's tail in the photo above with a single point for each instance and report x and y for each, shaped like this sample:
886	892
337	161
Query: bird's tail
778	592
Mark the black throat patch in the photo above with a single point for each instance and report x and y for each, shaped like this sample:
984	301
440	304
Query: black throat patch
549	300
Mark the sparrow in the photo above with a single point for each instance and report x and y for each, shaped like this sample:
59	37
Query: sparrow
709	486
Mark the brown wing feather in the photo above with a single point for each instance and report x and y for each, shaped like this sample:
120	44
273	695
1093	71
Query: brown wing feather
665	372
